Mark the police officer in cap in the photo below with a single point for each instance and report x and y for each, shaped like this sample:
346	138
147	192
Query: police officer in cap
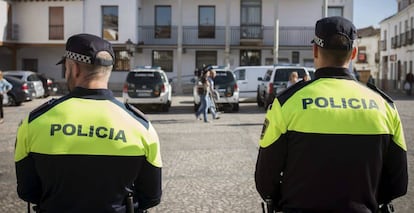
87	151
332	144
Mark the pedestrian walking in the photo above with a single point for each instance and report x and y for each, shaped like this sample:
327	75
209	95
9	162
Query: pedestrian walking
203	90
332	144
5	86
87	151
213	94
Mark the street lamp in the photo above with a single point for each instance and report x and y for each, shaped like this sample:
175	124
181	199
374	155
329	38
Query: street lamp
130	47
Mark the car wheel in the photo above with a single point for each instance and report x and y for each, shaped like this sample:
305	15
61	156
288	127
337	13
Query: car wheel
235	107
13	102
266	103
259	101
165	107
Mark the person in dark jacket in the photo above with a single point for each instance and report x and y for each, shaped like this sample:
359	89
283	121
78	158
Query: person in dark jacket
332	144
87	151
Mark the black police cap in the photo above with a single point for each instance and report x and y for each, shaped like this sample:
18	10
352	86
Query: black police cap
84	48
327	28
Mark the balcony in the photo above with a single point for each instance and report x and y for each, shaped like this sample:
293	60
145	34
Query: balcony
403	39
262	36
251	35
398	41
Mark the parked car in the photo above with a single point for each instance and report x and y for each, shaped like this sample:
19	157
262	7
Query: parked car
275	81
19	93
33	82
247	80
147	86
226	85
49	84
311	72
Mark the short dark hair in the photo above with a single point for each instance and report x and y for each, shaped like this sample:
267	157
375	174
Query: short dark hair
337	56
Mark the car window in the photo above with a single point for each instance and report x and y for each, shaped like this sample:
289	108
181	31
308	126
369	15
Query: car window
33	77
268	75
16	76
312	74
283	74
240	74
164	78
224	78
144	77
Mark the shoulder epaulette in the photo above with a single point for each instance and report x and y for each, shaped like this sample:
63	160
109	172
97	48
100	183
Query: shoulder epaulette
288	92
139	115
382	93
42	108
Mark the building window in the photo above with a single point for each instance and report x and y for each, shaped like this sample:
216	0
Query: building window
163	59
251	19
205	58
110	23
250	58
162	22
206	21
56	23
335	11
122	60
295	57
412	23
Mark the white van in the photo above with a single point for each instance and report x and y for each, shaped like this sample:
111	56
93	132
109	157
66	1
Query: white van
246	77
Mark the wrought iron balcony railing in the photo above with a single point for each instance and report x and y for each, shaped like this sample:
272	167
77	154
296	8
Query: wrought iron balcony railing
216	36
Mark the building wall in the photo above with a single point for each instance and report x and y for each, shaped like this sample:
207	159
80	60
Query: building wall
291	13
3	20
127	18
33	20
85	16
371	44
392	72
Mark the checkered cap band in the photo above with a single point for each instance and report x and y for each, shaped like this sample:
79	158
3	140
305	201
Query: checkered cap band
320	42
78	57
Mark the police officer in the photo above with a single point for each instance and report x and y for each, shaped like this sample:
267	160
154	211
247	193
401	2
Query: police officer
86	151
332	144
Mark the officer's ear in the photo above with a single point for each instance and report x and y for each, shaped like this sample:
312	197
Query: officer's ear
77	70
354	53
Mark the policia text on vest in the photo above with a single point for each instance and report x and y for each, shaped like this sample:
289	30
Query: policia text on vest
344	103
88	131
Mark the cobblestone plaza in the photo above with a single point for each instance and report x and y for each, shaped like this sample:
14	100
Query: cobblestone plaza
206	167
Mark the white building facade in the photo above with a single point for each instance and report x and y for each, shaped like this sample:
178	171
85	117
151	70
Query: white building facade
178	35
397	46
367	61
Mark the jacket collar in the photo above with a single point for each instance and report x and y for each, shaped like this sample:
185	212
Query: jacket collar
100	94
334	72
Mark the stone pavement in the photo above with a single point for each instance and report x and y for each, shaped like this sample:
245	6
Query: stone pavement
207	167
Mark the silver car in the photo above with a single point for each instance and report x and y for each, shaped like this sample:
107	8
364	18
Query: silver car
33	82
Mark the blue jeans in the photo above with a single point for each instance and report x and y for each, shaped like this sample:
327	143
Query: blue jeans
203	108
212	107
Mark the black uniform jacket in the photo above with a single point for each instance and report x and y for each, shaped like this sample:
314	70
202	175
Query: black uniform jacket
85	152
332	144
